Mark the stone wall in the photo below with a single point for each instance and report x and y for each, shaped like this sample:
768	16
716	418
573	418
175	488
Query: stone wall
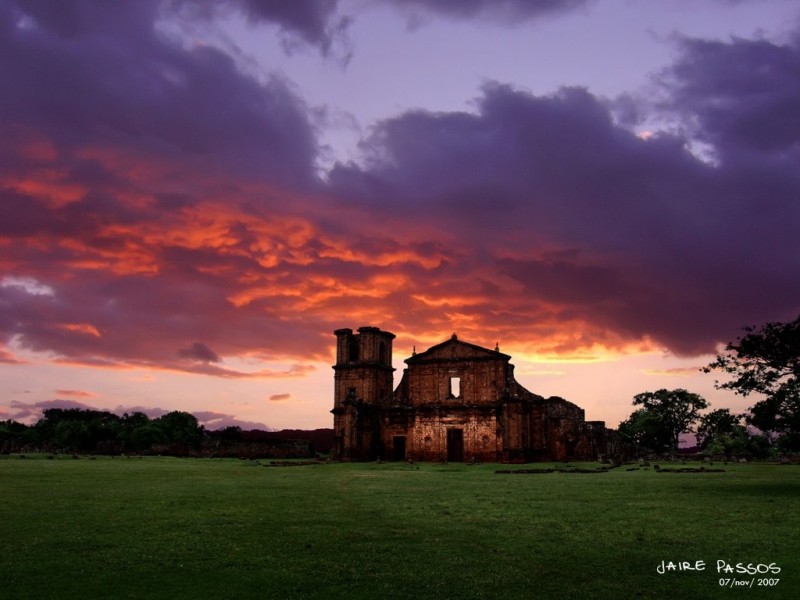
455	402
425	430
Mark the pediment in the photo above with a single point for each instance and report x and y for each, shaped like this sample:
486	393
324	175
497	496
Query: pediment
455	349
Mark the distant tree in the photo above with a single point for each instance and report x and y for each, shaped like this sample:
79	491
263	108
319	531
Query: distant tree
133	420
645	430
718	422
766	361
759	445
72	435
721	432
14	435
231	433
137	432
142	438
180	428
77	430
677	411
12	428
80	430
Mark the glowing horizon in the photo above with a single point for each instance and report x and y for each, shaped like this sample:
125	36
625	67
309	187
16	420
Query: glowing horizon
193	201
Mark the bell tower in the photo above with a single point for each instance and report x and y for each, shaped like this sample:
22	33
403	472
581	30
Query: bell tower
363	383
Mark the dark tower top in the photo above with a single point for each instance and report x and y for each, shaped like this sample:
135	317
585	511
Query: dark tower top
370	346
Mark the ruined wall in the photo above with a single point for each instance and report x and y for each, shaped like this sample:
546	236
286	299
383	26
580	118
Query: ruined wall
477	439
455	381
455	402
565	434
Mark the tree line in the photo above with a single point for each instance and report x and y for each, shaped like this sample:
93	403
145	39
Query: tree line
87	431
93	431
766	362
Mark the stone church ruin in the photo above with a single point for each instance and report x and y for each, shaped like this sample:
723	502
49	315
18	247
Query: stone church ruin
455	402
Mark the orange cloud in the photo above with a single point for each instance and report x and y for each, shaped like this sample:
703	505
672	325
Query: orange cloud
9	358
84	328
49	184
380	258
674	372
75	393
292	371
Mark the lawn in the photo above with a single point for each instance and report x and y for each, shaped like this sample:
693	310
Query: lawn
205	528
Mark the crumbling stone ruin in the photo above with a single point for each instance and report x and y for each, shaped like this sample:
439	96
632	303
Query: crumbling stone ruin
456	402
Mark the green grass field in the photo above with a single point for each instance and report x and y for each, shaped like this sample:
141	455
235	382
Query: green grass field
189	528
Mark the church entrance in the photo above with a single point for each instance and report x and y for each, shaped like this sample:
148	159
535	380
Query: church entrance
399	447
455	445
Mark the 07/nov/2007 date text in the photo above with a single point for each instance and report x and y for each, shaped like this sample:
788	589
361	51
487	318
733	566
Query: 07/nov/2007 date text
748	583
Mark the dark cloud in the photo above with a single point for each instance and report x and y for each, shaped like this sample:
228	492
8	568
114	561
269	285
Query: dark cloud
741	97
314	22
279	397
659	244
109	90
87	17
200	352
506	11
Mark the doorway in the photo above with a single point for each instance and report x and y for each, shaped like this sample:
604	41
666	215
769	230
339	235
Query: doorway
455	445
399	447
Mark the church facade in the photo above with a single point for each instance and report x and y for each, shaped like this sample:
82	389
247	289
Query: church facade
455	402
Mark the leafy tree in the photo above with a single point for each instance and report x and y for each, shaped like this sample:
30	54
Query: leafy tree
76	429
135	432
231	433
13	435
645	430
759	445
181	428
677	411
716	423
12	428
766	361
721	432
143	437
100	431
72	435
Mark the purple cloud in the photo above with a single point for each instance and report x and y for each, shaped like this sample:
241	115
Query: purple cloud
663	245
315	22
200	352
157	100
213	421
741	97
31	411
506	11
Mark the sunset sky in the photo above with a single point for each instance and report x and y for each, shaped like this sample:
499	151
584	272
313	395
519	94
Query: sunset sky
195	194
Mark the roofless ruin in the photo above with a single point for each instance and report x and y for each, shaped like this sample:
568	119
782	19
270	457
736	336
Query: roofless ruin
455	402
